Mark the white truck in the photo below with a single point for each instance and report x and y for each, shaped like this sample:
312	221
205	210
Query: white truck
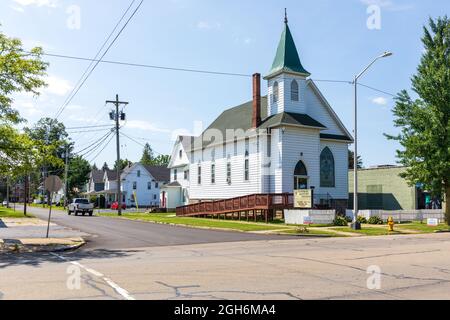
82	206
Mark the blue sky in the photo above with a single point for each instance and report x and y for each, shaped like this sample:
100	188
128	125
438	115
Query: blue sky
332	37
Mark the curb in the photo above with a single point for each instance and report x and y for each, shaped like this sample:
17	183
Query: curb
20	249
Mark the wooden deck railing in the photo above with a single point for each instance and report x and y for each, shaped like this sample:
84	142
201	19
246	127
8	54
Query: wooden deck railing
239	204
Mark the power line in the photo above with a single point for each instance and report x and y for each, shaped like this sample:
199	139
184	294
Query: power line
98	53
98	61
141	144
139	65
87	131
378	90
103	149
95	146
88	127
92	144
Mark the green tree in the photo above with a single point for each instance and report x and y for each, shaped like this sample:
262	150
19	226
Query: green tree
19	72
123	164
147	156
78	176
105	167
351	160
424	122
94	167
161	160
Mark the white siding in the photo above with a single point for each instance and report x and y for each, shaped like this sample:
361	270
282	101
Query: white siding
295	142
285	104
317	110
145	197
340	154
221	189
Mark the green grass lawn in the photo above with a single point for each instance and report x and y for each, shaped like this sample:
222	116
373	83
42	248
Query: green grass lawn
312	232
422	227
369	231
197	222
10	213
44	206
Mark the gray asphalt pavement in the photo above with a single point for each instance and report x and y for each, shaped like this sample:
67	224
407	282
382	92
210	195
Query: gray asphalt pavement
395	267
110	233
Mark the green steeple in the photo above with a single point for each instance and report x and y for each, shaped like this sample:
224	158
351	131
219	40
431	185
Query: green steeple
287	59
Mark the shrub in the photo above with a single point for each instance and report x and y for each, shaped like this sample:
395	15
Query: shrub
340	222
362	220
349	219
376	220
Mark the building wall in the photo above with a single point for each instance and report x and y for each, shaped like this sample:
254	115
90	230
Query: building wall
221	189
295	142
317	110
145	196
382	189
285	104
340	154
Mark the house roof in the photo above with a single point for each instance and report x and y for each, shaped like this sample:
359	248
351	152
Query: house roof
287	58
160	173
111	175
186	141
240	117
288	118
97	176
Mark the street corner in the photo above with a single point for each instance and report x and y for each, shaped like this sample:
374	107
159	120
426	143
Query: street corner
19	246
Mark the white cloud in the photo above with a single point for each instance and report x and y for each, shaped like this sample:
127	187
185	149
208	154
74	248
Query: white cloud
380	101
205	25
38	3
30	43
28	108
145	126
388	5
17	8
57	86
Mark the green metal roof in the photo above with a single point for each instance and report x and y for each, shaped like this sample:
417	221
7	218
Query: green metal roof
287	59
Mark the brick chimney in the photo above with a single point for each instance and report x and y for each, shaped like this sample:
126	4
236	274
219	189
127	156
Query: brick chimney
256	119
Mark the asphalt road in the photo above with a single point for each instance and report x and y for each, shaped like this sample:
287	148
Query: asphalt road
410	267
111	233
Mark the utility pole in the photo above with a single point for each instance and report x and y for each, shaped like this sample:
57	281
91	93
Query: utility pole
115	115
66	173
7	192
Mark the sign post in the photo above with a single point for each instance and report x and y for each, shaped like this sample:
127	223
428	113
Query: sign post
52	184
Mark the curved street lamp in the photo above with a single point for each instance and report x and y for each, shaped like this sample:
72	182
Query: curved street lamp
356	225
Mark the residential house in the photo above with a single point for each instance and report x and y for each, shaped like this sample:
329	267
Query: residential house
290	139
96	182
141	184
176	193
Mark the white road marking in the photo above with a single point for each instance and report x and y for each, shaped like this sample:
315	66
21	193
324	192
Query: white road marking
124	293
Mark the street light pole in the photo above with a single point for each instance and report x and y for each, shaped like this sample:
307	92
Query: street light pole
356	225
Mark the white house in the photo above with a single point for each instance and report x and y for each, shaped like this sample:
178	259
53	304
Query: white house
291	139
176	192
141	184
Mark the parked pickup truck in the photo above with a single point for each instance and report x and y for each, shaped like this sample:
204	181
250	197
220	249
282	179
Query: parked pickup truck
82	206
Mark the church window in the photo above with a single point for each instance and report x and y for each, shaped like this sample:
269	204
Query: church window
327	169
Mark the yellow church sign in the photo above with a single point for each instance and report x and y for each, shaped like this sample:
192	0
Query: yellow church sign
303	199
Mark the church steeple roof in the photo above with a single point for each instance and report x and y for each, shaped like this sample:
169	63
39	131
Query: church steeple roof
287	58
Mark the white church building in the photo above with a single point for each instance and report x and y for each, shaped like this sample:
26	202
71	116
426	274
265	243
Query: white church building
291	139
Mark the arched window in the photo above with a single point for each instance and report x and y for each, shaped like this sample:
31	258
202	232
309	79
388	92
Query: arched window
300	169
327	169
294	90
276	92
300	176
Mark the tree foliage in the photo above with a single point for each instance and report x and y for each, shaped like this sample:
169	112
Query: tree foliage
351	160
147	155
19	72
78	176
424	122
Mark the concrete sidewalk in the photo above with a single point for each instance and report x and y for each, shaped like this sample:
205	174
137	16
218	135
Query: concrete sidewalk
29	235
